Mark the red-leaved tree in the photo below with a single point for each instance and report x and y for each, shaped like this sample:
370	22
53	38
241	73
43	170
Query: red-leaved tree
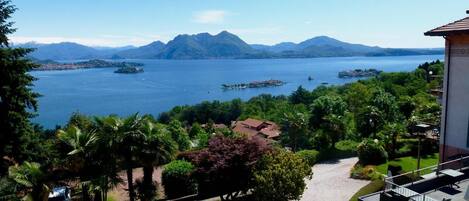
225	167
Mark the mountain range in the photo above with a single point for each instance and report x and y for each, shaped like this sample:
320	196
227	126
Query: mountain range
224	45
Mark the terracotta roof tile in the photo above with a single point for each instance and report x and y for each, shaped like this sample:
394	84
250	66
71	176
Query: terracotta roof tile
252	122
460	26
250	127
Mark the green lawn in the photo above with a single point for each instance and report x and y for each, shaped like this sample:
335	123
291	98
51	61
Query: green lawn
373	186
409	163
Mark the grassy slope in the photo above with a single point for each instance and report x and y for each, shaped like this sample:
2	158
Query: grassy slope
409	163
372	187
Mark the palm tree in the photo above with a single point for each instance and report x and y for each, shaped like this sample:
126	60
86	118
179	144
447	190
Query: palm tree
123	136
30	176
157	148
109	130
82	146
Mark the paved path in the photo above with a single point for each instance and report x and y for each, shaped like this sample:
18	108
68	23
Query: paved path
331	181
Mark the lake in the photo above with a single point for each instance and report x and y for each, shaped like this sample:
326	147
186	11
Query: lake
168	83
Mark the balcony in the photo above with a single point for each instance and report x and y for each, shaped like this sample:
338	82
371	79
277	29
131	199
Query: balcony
443	182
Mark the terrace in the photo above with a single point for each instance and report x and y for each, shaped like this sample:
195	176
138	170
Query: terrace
442	182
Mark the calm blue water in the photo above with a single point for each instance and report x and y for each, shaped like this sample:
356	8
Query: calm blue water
167	83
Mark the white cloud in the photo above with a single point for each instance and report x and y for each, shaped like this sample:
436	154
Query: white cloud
102	40
210	16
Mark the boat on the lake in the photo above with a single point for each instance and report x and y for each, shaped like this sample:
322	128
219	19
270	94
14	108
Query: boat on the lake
255	84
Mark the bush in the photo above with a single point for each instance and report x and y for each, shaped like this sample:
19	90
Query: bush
368	172
280	176
347	145
371	153
177	180
309	156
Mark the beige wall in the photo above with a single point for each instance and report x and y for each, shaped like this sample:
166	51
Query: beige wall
458	94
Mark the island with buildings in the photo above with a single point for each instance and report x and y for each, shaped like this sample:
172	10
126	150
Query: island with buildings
129	70
359	73
255	84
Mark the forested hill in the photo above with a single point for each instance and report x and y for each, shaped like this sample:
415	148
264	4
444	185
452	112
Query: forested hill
223	45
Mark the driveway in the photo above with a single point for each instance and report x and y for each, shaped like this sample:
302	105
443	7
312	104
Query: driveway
331	181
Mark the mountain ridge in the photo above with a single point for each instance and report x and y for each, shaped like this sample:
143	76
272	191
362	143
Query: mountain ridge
223	45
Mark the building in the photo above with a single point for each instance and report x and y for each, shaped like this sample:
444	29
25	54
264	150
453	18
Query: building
253	127
449	180
454	134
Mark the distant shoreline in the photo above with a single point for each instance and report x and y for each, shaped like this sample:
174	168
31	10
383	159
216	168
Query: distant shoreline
50	65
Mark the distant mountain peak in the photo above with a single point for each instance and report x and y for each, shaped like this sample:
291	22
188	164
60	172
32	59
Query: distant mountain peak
157	43
224	32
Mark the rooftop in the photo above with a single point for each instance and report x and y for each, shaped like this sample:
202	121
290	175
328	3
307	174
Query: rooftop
253	127
457	27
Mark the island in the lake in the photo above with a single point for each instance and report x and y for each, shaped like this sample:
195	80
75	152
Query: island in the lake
359	73
129	70
255	84
95	63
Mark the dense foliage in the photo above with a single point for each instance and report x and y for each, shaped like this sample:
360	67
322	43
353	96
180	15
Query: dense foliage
384	107
280	176
371	152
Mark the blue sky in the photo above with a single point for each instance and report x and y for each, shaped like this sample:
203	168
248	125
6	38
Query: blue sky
386	23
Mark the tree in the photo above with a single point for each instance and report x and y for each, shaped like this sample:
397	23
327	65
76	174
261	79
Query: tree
226	166
406	106
301	95
280	176
195	130
82	147
389	136
324	107
357	96
179	134
328	115
295	130
17	100
31	179
128	139
81	121
369	121
122	138
157	148
370	152
386	103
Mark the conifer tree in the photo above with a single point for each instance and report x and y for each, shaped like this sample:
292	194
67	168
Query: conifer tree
17	100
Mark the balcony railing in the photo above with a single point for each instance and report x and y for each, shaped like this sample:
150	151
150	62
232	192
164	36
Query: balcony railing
402	185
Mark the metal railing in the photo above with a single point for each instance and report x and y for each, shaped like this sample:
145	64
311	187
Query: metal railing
420	175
